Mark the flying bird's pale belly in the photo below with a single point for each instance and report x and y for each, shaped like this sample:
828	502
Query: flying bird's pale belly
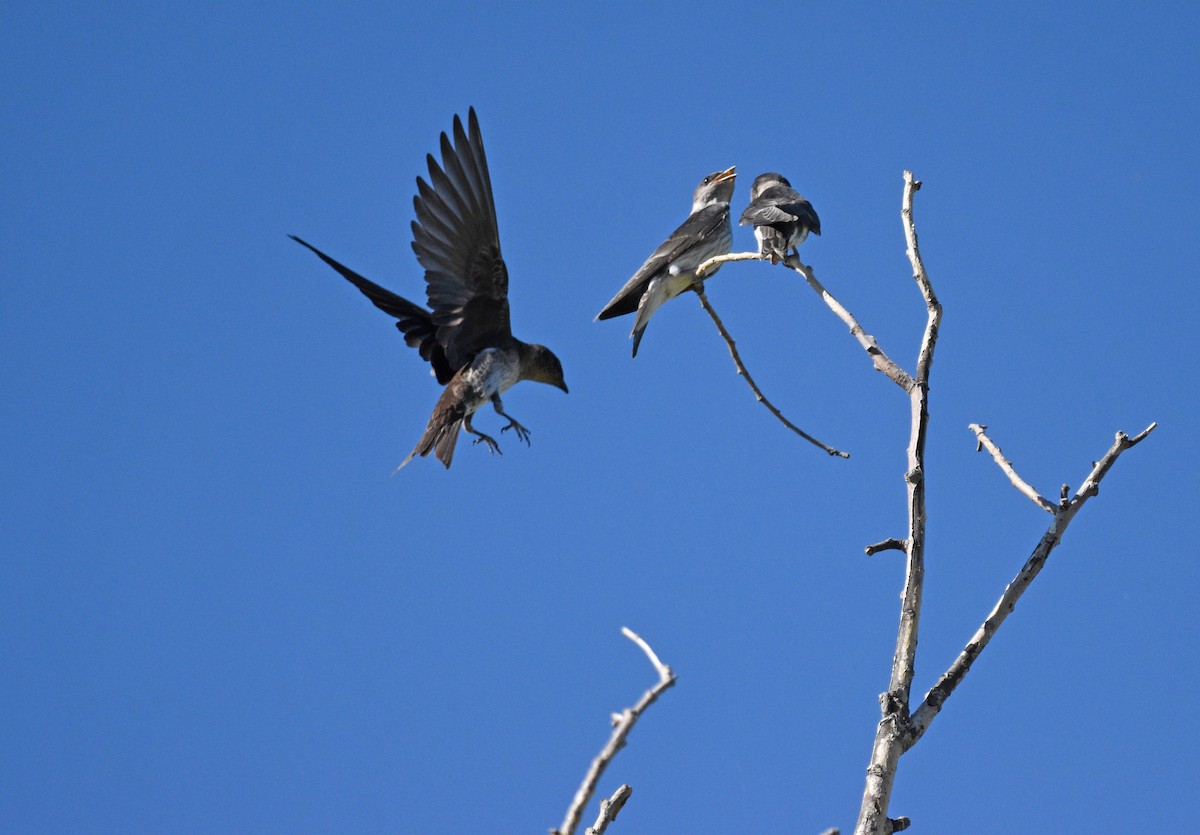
492	372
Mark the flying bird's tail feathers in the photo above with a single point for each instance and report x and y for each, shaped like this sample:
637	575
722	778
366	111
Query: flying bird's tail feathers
439	439
445	443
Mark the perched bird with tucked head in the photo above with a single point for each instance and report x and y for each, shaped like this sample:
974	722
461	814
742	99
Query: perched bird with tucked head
782	218
671	269
466	335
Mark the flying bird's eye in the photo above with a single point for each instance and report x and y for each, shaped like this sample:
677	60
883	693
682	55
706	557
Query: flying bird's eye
706	179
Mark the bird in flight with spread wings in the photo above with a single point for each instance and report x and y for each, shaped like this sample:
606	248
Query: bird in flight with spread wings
465	335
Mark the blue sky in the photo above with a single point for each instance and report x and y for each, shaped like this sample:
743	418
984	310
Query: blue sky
219	611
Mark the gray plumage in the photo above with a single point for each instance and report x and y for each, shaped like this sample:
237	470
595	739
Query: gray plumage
671	269
782	218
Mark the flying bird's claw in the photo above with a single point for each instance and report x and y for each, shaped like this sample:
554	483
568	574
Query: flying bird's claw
492	446
522	432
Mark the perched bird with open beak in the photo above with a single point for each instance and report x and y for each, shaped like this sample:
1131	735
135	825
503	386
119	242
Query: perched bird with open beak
671	269
782	218
466	335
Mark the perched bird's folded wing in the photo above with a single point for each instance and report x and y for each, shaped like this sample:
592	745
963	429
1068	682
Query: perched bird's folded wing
780	205
457	241
698	228
414	321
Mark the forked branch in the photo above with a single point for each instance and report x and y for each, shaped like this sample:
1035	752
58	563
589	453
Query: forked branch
1063	515
894	731
622	724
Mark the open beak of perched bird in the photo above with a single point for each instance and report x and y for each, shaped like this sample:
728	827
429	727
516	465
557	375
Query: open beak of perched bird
726	176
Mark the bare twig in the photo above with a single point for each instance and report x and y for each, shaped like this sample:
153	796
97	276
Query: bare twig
610	807
950	679
881	360
711	264
986	443
932	305
889	544
741	369
622	724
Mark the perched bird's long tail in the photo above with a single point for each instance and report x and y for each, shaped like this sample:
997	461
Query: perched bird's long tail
654	298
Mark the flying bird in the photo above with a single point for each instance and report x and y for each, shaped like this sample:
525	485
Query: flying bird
465	335
671	269
782	218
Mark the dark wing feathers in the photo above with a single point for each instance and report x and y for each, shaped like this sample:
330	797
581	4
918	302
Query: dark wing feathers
699	227
780	204
457	241
413	321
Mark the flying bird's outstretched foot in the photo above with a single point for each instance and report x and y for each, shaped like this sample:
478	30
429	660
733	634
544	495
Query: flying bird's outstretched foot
521	431
481	438
489	440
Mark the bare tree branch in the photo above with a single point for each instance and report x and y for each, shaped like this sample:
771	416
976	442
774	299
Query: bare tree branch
894	727
881	360
932	305
711	264
622	724
950	679
741	369
986	443
610	807
889	544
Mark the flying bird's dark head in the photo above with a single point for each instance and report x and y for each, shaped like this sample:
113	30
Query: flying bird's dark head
764	181
542	366
715	188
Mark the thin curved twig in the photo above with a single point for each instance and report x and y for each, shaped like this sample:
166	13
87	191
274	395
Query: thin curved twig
741	369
